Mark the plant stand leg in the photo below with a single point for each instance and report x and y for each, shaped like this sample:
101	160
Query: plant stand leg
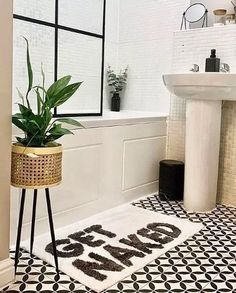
52	228
33	221
21	213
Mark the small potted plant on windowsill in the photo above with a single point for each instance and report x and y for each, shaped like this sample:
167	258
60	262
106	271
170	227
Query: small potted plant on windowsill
36	157
117	82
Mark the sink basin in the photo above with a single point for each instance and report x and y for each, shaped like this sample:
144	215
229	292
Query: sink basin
206	86
204	93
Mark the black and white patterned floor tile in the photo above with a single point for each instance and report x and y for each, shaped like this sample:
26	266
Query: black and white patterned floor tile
205	262
225	281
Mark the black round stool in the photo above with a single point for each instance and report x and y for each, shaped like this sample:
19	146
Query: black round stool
171	180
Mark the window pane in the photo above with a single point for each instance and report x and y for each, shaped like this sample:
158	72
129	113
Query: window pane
81	57
85	15
41	41
42	10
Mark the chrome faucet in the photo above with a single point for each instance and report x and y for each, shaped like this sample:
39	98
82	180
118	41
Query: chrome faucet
195	68
224	67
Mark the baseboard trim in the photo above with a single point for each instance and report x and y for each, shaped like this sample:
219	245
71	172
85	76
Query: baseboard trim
142	190
7	274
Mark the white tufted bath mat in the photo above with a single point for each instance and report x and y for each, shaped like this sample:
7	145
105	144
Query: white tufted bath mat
104	249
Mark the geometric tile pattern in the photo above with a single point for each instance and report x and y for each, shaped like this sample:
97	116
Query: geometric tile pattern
205	262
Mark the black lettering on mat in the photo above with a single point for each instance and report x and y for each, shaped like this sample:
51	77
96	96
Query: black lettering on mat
91	268
135	242
123	254
175	232
70	250
86	239
98	229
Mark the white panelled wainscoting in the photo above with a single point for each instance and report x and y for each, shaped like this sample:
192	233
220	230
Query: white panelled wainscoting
102	168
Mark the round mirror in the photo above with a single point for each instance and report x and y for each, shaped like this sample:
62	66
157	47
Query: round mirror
195	12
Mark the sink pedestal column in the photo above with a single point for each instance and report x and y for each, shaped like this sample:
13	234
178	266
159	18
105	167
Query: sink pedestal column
203	124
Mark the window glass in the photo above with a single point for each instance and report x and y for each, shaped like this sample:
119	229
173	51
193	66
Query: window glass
84	15
37	9
74	47
81	56
41	40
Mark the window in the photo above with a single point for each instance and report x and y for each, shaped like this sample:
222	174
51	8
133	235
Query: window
68	37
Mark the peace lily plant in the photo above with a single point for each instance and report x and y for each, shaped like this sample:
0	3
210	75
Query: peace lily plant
36	157
39	128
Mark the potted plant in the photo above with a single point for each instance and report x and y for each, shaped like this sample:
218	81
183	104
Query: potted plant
36	157
117	82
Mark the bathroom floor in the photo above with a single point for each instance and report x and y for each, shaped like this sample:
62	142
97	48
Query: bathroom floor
204	263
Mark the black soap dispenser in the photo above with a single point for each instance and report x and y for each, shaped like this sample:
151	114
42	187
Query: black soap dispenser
212	63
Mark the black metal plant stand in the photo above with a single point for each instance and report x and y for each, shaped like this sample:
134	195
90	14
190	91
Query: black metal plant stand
21	213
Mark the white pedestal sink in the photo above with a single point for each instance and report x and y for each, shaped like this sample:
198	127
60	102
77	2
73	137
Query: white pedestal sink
203	93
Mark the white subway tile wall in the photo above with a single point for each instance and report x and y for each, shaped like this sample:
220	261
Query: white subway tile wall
111	45
193	46
145	44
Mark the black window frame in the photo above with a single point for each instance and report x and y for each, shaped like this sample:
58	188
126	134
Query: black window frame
57	26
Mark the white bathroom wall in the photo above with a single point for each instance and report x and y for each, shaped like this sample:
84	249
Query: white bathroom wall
111	44
193	46
145	44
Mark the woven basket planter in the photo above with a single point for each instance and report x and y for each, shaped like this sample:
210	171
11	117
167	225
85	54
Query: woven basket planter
34	168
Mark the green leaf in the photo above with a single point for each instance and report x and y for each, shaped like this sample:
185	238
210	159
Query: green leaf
43	76
30	72
19	124
26	112
51	138
58	130
35	124
61	97
69	121
57	86
40	88
21	140
18	116
47	116
39	101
